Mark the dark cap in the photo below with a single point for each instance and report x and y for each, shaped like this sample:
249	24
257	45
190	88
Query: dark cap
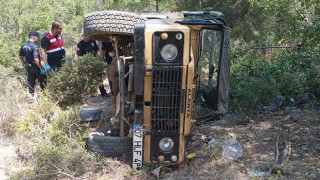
34	33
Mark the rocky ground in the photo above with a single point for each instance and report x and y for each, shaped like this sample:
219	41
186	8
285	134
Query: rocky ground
284	144
276	145
281	145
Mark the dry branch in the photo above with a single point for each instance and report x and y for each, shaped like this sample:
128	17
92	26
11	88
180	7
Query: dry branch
63	173
276	159
286	151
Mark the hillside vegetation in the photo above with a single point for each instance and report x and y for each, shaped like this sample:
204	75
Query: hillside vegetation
275	55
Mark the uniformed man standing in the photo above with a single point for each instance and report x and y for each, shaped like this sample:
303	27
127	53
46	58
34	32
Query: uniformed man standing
85	46
29	57
53	51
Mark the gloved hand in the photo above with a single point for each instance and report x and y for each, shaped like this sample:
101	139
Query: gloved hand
42	71
47	67
25	65
66	61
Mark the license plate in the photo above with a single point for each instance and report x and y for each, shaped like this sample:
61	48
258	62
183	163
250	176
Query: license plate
137	146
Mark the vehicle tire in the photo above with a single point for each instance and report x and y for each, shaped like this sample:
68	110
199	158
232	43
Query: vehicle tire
109	146
100	25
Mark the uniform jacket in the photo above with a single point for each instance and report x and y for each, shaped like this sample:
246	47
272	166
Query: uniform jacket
30	51
55	50
87	47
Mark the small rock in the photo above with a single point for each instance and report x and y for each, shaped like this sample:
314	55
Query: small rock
296	174
251	135
313	176
317	147
228	116
288	118
256	173
267	139
290	109
232	135
260	115
296	132
313	168
295	163
166	176
285	171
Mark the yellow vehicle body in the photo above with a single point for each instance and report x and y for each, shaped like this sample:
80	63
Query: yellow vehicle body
166	63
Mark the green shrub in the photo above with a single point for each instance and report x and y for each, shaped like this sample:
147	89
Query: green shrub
50	135
52	139
53	160
13	97
45	121
76	81
256	79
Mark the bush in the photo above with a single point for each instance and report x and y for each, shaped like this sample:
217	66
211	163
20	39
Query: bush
59	161
256	80
53	140
13	97
76	81
45	122
50	135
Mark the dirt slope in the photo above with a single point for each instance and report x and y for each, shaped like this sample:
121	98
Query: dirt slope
282	145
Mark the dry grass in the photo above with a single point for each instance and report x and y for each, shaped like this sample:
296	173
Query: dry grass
13	99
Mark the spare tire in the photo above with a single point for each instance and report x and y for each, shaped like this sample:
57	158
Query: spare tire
109	146
100	25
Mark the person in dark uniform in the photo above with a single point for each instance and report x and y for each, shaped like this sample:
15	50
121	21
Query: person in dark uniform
29	57
106	48
53	51
85	46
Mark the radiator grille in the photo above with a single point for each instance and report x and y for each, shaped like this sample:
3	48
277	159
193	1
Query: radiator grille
166	95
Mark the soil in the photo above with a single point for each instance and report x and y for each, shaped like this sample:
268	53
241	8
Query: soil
284	145
9	161
276	145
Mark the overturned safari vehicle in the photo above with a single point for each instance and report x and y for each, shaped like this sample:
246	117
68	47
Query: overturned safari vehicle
167	70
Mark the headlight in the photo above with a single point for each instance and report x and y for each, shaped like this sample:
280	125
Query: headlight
169	52
166	144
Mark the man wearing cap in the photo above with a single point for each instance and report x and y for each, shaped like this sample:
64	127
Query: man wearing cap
53	51
29	57
85	46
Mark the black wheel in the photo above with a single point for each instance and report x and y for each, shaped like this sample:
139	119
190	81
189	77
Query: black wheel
100	25
109	146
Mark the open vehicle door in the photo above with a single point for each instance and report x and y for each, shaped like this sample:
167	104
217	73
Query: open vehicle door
212	62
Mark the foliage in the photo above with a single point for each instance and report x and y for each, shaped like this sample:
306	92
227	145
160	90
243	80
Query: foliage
52	138
76	80
51	159
13	96
257	79
294	20
49	123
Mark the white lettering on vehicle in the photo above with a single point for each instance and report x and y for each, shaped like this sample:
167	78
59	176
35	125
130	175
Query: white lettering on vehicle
137	146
